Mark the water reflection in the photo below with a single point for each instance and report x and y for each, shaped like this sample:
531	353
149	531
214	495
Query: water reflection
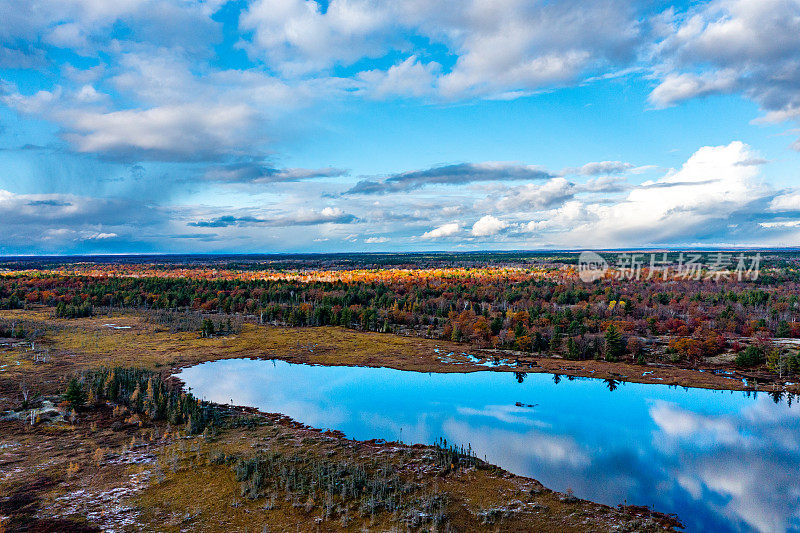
723	461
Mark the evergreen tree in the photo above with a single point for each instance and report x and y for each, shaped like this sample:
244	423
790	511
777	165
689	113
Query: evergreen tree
573	352
74	394
555	340
207	329
615	346
538	342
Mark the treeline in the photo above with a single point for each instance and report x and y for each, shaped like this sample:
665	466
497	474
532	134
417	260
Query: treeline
12	302
65	310
144	393
207	324
507	309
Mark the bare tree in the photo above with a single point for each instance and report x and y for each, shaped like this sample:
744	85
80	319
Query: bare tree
23	387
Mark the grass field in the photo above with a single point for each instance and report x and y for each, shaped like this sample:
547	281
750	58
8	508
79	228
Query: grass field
106	467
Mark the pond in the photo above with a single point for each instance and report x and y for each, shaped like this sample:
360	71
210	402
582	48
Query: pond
721	460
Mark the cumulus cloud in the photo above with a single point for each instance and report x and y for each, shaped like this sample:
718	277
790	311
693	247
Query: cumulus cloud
297	36
562	219
526	46
409	78
165	106
445	230
488	225
676	88
184	132
789	201
732	45
698	201
84	26
604	184
532	196
522	46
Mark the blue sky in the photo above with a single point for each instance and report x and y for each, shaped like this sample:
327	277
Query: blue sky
355	125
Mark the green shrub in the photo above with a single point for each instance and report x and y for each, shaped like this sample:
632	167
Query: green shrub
750	357
74	394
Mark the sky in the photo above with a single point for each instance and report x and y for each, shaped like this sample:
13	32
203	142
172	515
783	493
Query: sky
268	126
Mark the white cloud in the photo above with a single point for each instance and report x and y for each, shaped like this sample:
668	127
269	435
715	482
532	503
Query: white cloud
600	168
409	78
786	202
39	102
536	196
376	240
791	112
67	35
297	36
299	217
523	46
676	88
698	198
488	225
732	45
501	49
563	218
445	230
101	236
781	224
182	131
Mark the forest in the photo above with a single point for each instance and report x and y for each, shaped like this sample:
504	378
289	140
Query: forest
530	304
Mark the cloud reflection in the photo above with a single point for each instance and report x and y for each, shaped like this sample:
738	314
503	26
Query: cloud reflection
721	461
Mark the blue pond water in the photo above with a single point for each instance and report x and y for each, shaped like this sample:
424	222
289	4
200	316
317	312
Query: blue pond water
722	461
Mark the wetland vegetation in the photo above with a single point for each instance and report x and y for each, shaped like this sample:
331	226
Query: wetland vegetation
97	433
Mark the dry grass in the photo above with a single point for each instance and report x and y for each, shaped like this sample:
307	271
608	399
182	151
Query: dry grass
107	469
88	343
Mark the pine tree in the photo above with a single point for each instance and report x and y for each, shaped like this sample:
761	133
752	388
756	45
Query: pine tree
207	328
573	352
74	394
615	347
555	340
